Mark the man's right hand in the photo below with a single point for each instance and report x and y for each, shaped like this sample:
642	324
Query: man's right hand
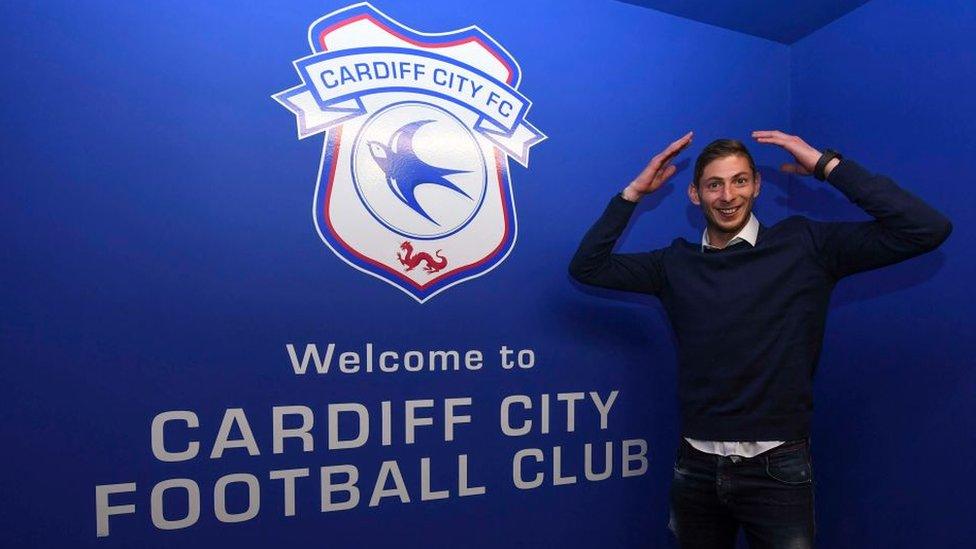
657	171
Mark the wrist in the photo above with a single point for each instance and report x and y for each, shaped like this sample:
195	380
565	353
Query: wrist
630	195
828	157
830	166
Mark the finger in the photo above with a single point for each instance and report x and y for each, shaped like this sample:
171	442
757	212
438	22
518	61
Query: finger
658	163
668	172
677	146
663	175
685	140
654	165
661	159
769	133
773	140
772	136
679	143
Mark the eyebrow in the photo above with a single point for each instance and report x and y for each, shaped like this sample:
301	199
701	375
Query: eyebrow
717	178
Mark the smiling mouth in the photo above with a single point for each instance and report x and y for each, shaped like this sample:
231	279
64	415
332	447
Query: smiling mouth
729	212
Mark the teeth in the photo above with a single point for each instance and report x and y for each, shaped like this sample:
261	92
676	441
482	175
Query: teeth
729	211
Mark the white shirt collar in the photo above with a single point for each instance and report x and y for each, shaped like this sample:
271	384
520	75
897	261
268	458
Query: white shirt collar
749	233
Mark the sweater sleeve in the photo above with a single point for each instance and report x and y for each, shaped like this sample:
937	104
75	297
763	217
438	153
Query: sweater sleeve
595	264
904	226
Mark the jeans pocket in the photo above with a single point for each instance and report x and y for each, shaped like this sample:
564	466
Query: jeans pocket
791	467
677	464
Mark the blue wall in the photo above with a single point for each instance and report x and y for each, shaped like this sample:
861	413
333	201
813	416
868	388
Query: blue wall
161	256
890	85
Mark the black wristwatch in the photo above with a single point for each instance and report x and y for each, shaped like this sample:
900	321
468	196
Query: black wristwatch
827	156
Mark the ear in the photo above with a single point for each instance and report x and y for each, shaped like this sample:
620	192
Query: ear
758	184
693	194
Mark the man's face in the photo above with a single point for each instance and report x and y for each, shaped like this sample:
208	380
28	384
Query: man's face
725	193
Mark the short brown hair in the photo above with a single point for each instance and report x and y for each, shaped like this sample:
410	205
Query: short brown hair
720	148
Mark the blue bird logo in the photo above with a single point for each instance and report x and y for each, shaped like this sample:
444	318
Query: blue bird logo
405	172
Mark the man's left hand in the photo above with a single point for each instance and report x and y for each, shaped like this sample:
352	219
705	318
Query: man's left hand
805	155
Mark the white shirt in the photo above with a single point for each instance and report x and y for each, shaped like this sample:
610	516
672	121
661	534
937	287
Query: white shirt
749	234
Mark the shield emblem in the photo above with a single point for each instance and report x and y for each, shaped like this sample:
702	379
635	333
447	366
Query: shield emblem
413	186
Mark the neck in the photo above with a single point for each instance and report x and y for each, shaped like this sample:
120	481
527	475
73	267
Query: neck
718	238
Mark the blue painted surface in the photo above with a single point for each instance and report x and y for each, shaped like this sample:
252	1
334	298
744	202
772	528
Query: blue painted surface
890	85
162	252
784	22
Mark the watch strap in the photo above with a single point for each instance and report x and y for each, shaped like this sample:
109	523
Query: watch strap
827	156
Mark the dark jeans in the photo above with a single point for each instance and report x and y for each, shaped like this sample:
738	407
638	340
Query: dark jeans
769	495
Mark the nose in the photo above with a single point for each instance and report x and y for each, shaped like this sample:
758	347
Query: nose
727	193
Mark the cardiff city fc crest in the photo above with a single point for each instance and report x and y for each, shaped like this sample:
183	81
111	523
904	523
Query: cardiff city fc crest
414	186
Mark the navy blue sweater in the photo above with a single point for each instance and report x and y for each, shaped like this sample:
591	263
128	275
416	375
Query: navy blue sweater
749	321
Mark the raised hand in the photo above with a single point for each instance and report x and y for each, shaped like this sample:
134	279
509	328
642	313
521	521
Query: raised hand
657	171
805	155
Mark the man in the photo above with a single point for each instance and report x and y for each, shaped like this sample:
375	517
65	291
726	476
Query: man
748	305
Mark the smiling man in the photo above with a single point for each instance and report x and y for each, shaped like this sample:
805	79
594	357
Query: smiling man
726	184
748	305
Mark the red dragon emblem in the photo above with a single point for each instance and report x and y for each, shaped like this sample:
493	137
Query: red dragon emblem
411	260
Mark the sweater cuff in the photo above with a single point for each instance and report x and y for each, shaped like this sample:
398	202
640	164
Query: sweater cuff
618	201
846	175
